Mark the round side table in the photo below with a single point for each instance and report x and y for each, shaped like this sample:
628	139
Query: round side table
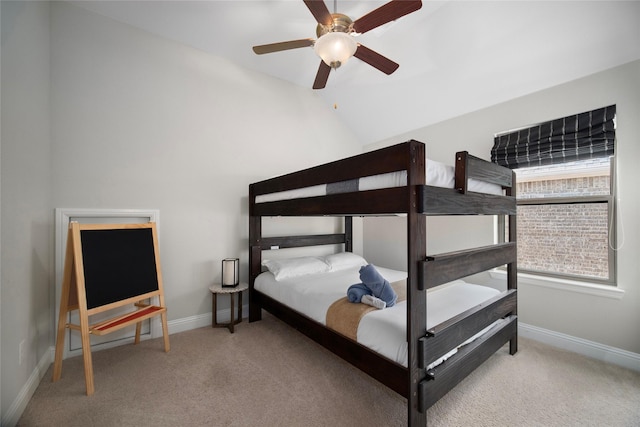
217	289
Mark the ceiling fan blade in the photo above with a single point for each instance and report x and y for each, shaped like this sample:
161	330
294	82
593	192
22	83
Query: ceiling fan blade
319	11
277	47
385	13
322	76
376	60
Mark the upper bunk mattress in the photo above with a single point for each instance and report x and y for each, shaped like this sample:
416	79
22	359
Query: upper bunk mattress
383	331
437	175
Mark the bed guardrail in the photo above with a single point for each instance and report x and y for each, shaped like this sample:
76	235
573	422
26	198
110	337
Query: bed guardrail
468	167
388	159
454	370
447	335
443	268
447	201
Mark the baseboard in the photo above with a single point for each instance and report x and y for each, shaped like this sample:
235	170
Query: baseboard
13	414
188	323
602	352
201	320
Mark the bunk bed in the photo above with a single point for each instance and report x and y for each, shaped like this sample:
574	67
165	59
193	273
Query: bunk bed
304	193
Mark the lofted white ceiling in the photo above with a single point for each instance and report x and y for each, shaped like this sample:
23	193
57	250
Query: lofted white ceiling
455	56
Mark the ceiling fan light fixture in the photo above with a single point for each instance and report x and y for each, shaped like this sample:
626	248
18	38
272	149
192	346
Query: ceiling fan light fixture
335	48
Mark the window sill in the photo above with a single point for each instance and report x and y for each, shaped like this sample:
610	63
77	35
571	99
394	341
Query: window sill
563	284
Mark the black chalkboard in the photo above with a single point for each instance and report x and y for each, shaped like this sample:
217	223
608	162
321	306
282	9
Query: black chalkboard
118	264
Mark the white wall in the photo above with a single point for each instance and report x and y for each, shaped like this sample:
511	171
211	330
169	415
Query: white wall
142	122
26	215
609	321
97	114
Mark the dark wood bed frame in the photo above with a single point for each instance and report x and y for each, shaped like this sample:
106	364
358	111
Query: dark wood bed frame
422	388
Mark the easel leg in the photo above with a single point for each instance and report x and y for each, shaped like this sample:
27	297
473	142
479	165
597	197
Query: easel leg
165	332
86	354
67	284
138	330
57	364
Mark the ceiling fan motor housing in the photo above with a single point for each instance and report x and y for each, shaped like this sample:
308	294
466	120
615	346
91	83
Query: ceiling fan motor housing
339	23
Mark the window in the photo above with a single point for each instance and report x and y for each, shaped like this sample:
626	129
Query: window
564	214
564	171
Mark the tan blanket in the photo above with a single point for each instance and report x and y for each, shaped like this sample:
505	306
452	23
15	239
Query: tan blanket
344	316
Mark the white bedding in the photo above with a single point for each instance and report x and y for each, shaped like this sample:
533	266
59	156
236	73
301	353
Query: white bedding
438	175
383	331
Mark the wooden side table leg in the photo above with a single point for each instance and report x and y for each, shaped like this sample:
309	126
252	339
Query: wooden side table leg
239	307
232	309
214	310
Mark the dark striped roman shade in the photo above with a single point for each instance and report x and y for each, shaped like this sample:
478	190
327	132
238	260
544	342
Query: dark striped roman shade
581	136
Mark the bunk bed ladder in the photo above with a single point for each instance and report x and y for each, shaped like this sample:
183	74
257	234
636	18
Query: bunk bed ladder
442	268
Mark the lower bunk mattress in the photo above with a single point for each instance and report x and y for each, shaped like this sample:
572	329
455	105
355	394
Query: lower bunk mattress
383	331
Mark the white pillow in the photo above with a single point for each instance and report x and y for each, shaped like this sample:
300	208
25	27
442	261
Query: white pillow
344	260
293	267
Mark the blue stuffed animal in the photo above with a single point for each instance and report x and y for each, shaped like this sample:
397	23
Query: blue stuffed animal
357	291
378	285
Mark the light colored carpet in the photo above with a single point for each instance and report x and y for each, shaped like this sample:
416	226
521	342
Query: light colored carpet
268	374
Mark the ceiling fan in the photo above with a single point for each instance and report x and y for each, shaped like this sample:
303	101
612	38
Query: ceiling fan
336	42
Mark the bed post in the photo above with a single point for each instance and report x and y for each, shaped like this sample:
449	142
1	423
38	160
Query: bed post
512	268
348	234
416	298
255	256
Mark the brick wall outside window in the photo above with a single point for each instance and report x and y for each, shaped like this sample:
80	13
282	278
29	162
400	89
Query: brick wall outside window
563	238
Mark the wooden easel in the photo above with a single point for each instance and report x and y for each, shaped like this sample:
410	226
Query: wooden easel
108	266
